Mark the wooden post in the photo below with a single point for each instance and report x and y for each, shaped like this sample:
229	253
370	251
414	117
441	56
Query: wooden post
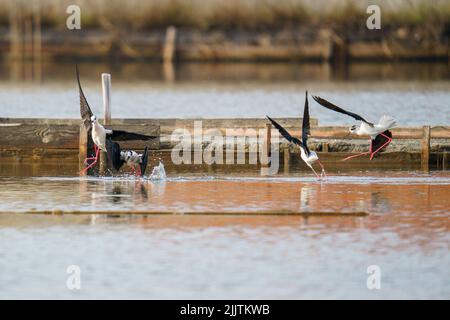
169	45
444	160
426	148
106	91
28	49
268	140
325	147
287	159
37	41
266	147
82	148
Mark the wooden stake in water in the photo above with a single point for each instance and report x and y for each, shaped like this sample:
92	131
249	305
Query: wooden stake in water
37	42
169	45
426	148
267	146
106	91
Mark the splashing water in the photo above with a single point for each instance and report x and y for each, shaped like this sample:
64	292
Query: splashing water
158	173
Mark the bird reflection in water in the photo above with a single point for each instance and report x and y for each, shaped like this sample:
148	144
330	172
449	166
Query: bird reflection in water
307	194
116	194
379	202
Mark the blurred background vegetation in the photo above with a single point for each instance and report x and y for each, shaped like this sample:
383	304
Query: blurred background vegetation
432	15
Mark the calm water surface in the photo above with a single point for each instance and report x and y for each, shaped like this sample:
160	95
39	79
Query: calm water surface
406	233
414	93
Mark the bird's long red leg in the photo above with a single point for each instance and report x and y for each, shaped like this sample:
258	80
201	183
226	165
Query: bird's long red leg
378	150
361	154
355	156
323	169
318	177
93	163
91	158
139	173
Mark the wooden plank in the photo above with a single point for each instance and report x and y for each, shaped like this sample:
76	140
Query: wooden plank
23	136
39	136
170	124
167	126
335	132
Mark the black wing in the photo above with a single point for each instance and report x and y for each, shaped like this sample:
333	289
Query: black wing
333	107
119	135
113	153
286	134
306	128
379	141
85	110
144	161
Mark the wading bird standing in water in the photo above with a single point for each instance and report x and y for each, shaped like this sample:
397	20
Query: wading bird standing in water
101	136
379	133
129	157
310	157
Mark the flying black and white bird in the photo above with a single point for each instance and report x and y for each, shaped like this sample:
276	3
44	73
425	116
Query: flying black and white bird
101	135
131	158
380	134
310	157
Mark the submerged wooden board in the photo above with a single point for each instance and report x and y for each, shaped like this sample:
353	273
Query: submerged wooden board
230	213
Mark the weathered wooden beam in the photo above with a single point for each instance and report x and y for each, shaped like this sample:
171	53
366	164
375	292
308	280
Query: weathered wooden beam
39	136
337	132
167	126
425	159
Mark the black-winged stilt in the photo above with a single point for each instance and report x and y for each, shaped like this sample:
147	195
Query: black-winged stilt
379	133
308	156
131	158
100	135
